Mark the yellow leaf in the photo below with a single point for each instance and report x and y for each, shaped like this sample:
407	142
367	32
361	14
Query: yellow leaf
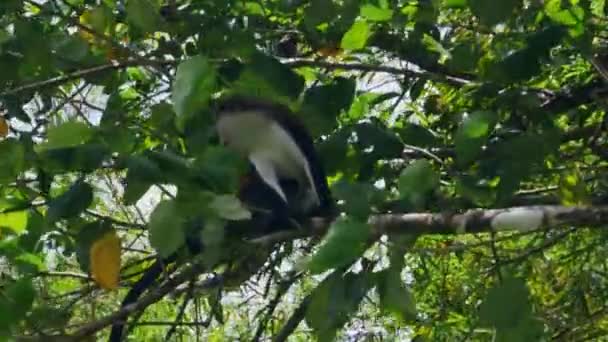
104	259
3	127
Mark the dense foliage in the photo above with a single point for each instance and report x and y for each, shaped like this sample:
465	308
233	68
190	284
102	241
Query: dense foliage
107	152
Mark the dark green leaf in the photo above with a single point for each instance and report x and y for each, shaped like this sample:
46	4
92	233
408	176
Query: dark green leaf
16	301
394	296
67	134
417	135
12	160
493	12
507	308
71	203
166	228
194	84
265	76
344	243
322	104
357	198
143	14
141	174
72	48
334	301
84	158
417	181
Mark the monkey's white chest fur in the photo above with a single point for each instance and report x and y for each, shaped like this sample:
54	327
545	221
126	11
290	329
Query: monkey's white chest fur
269	147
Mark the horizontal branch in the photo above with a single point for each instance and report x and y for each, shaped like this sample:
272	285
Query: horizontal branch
521	219
455	81
82	73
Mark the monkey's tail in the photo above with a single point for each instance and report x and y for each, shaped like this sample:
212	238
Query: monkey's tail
151	274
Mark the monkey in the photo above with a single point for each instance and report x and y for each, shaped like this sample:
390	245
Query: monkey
286	181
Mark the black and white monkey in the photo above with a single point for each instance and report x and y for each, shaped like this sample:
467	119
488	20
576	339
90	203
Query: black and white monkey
286	181
279	148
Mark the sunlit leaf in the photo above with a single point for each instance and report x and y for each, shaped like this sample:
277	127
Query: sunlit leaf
16	221
356	37
374	13
472	134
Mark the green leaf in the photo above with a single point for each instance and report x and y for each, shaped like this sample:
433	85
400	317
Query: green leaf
72	48
12	160
394	296
507	308
413	134
417	181
83	158
357	198
264	76
14	220
194	84
322	104
493	12
572	188
67	134
16	301
229	207
374	13
143	14
455	3
98	18
344	243
19	297
141	174
71	203
334	301
472	134
464	57
598	8
319	12
356	37
165	227
571	16
222	168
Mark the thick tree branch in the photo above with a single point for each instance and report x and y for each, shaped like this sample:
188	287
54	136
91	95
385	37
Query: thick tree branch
520	219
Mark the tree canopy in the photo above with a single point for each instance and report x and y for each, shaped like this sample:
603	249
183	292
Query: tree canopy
465	142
